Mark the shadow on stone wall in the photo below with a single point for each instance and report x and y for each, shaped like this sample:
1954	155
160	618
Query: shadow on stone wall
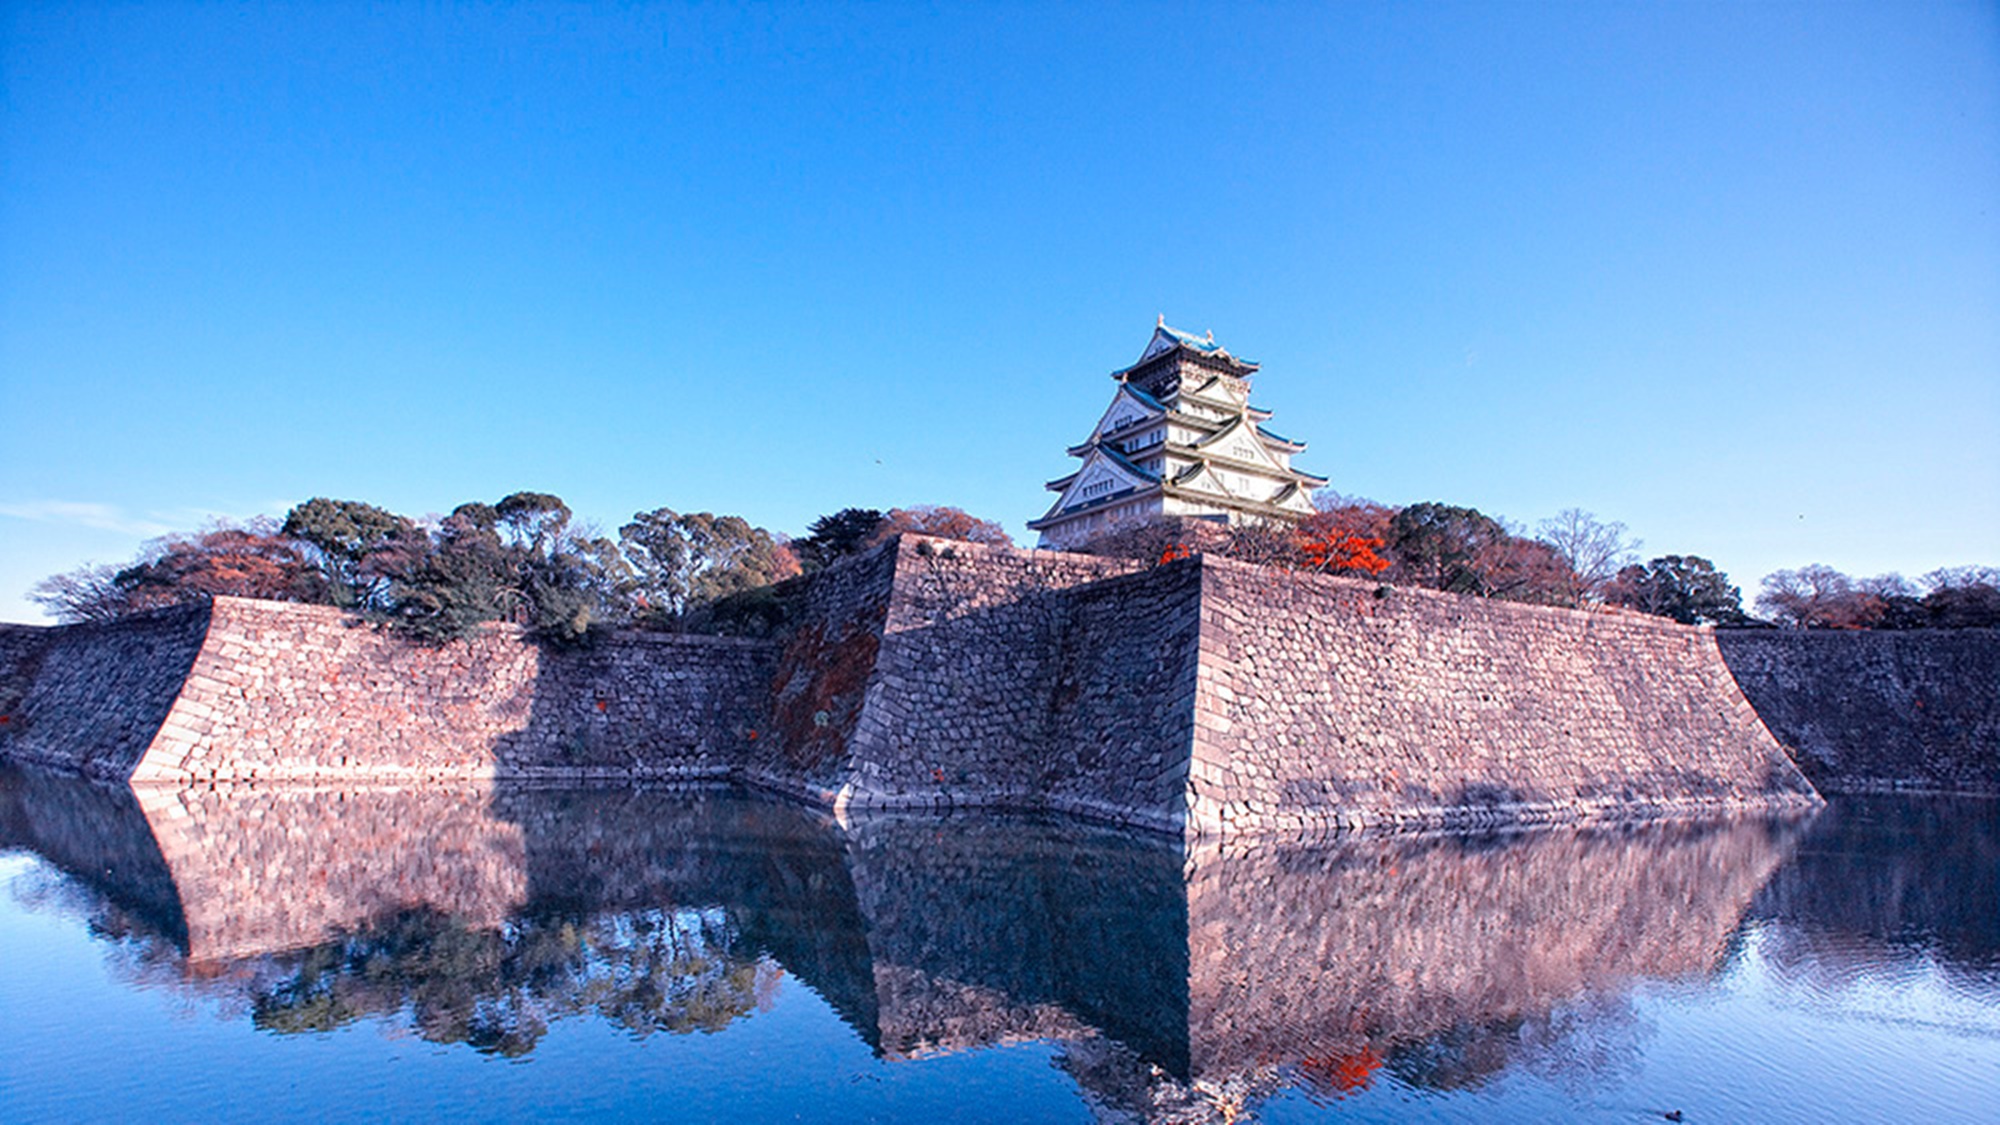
97	834
90	698
641	706
1869	710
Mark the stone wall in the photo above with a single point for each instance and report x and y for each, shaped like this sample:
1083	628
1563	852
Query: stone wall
1214	697
1329	702
1865	711
265	691
990	671
1201	696
90	698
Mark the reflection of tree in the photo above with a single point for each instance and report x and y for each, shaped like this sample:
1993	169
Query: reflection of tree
498	990
1579	1045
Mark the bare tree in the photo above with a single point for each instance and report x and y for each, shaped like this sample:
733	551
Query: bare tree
1814	597
1593	550
88	593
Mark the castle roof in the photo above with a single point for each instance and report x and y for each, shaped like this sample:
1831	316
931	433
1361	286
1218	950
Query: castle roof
1167	339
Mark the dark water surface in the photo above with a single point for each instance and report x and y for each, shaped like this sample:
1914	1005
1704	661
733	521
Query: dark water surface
542	954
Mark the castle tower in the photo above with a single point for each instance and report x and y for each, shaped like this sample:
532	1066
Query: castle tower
1179	439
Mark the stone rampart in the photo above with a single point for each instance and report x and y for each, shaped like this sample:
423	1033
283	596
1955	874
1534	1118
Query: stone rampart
1215	698
1200	696
263	691
1329	702
1868	711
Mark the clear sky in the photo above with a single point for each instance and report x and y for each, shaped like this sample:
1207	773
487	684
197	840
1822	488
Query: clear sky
1729	274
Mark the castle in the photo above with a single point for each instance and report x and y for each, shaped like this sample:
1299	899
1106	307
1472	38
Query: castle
1180	438
1197	696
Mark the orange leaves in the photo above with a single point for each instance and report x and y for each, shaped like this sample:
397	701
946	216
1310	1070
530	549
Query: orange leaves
1334	551
1345	539
1343	1074
1174	553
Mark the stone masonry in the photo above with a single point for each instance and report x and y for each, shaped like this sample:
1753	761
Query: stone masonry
249	690
1202	696
1331	702
1215	698
1870	711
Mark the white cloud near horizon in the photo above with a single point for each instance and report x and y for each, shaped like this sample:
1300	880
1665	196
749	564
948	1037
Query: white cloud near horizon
110	517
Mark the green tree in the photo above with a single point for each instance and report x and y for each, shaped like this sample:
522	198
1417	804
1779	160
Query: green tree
1444	547
359	546
1686	588
682	562
830	538
465	577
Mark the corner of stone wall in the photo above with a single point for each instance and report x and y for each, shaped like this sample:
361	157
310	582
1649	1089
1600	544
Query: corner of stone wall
1211	746
825	673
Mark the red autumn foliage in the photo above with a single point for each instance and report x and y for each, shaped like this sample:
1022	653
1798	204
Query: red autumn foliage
1343	540
1174	553
242	562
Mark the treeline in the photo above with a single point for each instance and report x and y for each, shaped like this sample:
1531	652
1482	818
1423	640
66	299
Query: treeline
1820	597
523	559
1574	560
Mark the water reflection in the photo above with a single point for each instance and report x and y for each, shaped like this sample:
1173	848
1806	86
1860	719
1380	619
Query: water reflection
1180	984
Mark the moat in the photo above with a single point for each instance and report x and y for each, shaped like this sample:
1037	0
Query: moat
508	952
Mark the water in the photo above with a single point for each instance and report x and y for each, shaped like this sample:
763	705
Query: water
500	955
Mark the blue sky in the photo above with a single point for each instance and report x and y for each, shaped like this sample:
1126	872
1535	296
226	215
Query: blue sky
1729	274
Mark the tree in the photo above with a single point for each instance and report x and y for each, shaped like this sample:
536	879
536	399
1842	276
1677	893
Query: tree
1892	602
358	546
464	578
1816	597
1518	569
831	538
1343	539
248	561
683	562
1962	597
520	560
942	522
1441	546
1593	552
534	521
1686	588
88	593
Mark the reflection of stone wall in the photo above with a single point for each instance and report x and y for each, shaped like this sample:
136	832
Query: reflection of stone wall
274	869
1384	941
1890	879
928	934
1878	710
988	929
97	834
